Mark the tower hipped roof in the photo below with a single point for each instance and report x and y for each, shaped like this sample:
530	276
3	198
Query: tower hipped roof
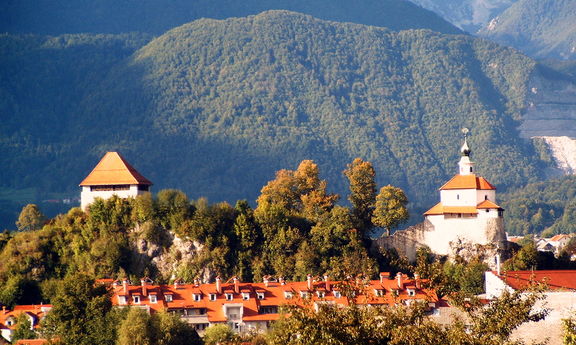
468	182
113	169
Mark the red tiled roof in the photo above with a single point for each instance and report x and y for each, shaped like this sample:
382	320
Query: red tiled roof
274	296
468	182
113	169
31	342
487	204
441	209
559	237
554	279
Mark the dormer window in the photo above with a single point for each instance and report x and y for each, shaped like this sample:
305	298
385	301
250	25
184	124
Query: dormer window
379	292
411	292
245	296
136	299
168	298
304	294
153	299
337	294
121	299
288	294
197	297
320	294
212	296
229	297
260	295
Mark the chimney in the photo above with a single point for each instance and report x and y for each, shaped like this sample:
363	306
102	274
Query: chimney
125	285
4	309
400	280
384	276
176	282
309	279
196	282
282	281
417	280
327	283
144	291
218	285
236	285
266	281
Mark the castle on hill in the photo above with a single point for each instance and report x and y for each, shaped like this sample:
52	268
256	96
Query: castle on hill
113	175
467	215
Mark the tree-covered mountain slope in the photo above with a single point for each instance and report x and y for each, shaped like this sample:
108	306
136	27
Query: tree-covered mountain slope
540	28
156	16
215	107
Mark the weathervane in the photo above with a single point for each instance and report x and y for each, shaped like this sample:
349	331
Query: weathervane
465	150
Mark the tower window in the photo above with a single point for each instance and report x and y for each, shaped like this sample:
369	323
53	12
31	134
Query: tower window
485	197
457	196
470	169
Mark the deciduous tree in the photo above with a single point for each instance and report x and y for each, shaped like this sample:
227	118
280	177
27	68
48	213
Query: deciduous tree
390	208
30	218
361	177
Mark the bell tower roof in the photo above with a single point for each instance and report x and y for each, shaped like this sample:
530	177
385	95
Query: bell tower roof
466	166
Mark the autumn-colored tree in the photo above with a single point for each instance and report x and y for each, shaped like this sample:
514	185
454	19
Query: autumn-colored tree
390	208
30	218
361	177
300	191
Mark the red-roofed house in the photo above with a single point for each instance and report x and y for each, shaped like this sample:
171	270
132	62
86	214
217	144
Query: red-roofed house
253	306
467	211
560	300
113	175
9	318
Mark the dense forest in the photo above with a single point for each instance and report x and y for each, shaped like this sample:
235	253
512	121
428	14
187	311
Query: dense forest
214	107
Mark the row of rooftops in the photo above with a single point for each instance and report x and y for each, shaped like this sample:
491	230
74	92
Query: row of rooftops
260	301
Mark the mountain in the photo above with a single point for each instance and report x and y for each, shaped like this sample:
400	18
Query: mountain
215	107
540	28
51	17
469	15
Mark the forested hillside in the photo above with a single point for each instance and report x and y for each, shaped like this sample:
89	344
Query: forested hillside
215	107
156	16
540	28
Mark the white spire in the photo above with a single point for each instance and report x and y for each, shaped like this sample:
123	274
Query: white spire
466	166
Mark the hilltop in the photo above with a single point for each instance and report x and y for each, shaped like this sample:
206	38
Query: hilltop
214	107
540	28
156	16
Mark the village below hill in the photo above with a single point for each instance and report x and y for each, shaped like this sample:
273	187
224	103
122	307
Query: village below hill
129	265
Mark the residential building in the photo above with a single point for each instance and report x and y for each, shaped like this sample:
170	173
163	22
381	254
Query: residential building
254	306
559	298
9	318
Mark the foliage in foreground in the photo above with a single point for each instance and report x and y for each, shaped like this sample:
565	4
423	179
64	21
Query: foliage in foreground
492	324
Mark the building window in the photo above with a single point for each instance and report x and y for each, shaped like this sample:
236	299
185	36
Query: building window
304	294
153	299
229	297
320	294
287	294
121	299
337	294
485	197
457	196
470	169
168	298
212	296
197	297
411	292
272	309
201	326
105	188
136	299
260	295
245	296
379	292
487	210
143	188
